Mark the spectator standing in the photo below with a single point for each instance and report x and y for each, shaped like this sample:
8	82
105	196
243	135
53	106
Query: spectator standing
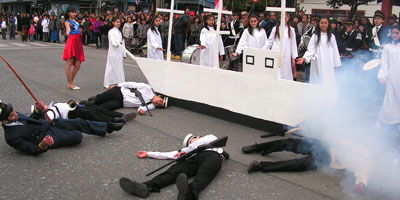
377	35
127	32
96	31
164	30
54	27
3	27
208	42
189	23
234	30
179	31
45	28
142	32
92	19
114	73
303	25
11	26
271	23
104	34
32	32
85	30
195	29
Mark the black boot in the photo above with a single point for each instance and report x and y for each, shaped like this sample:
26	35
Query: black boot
254	166
124	118
251	149
134	188
183	187
114	127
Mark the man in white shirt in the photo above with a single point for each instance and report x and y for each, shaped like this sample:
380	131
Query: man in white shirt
204	166
127	95
45	25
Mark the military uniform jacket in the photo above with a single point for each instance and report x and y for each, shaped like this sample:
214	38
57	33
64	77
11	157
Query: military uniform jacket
350	41
383	35
26	134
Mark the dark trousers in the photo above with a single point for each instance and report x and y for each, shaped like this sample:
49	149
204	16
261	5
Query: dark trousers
97	39
204	166
111	99
67	132
179	39
94	113
85	38
316	155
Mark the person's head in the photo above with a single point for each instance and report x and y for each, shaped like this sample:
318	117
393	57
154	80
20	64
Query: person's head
115	10
7	113
287	18
333	24
361	28
209	21
166	17
260	17
196	20
97	19
157	21
129	20
253	21
379	18
71	13
187	11
315	21
105	22
235	16
116	22
272	16
304	19
323	27
296	19
349	26
223	25
392	19
189	139
158	101
144	22
323	24
51	17
364	21
395	33
244	14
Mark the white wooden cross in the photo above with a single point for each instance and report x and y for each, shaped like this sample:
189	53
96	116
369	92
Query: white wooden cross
218	32
283	11
171	18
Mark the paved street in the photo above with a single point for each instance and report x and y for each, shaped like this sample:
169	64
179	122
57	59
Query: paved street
91	170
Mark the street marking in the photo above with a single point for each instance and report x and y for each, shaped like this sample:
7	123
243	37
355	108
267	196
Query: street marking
135	66
26	48
21	45
3	45
38	44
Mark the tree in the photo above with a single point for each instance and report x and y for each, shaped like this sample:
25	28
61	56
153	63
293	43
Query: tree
352	3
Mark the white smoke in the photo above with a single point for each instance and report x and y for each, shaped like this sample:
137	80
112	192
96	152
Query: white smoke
371	155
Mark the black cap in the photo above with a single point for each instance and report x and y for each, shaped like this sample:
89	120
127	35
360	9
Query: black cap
315	17
393	16
350	23
5	110
379	13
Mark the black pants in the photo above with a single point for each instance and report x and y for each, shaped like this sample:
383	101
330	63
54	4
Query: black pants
316	153
111	99
97	38
94	113
204	166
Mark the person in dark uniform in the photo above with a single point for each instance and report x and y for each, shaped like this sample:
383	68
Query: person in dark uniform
234	29
204	166
351	39
271	23
34	136
378	34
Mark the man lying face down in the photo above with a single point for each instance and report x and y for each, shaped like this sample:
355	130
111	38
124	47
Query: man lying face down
128	94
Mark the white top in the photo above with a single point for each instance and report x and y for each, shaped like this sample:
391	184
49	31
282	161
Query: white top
170	155
62	107
45	24
131	100
153	42
127	30
208	40
257	40
114	73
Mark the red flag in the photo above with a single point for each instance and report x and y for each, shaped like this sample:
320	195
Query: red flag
216	4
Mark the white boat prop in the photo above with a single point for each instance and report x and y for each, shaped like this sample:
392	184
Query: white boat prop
257	91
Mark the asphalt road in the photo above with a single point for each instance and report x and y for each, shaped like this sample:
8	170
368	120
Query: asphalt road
91	170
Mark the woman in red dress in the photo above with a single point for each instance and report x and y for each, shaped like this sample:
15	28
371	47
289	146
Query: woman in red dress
73	50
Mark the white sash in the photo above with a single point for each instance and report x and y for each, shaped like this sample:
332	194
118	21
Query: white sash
375	36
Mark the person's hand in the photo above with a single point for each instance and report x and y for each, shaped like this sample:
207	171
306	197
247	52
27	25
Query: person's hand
382	80
299	61
111	86
40	106
202	47
142	154
124	57
234	54
293	62
221	58
121	43
160	49
360	188
142	112
179	154
47	141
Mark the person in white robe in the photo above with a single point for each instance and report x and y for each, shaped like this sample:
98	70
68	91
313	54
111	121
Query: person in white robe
154	42
208	42
115	59
389	74
323	54
289	50
252	37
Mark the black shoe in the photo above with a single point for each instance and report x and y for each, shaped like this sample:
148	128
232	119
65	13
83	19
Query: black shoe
114	127
93	98
183	187
124	118
254	166
133	187
251	149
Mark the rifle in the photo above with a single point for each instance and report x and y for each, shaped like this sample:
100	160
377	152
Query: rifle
220	142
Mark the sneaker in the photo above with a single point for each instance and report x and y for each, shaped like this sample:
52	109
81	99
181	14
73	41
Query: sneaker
183	187
134	188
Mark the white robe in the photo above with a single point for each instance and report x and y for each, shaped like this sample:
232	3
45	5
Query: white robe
115	59
153	42
324	57
290	50
208	40
257	40
390	71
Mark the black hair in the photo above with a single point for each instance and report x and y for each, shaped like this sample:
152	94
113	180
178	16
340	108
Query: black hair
318	30
398	28
206	19
69	9
114	19
153	27
196	17
250	28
